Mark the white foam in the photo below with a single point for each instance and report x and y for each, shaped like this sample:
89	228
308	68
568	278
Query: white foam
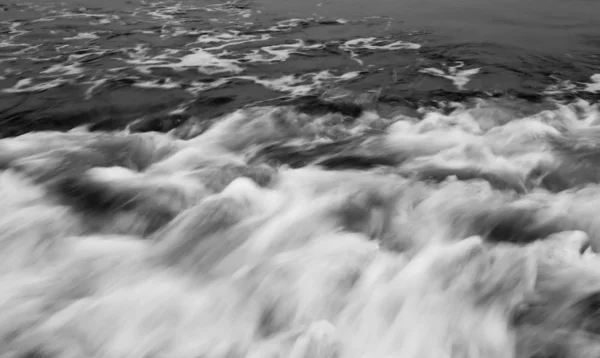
59	48
567	86
168	84
44	19
44	59
196	87
160	14
139	56
560	87
208	63
288	24
279	53
459	78
304	250
83	36
180	109
350	75
228	38
211	53
593	87
26	86
14	32
66	70
88	52
289	83
112	173
371	43
300	85
105	20
200	59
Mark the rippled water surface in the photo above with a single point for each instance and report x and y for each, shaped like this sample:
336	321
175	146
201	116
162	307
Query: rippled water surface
66	64
307	179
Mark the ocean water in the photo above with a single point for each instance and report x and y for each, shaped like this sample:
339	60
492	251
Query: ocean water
307	179
105	66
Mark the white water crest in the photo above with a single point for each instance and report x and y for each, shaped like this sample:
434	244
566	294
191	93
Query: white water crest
476	238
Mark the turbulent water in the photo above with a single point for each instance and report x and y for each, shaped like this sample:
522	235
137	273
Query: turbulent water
315	179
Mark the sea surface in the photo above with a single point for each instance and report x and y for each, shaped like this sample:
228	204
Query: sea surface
302	179
106	65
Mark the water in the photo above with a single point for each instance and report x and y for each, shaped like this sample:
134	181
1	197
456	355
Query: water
315	179
69	64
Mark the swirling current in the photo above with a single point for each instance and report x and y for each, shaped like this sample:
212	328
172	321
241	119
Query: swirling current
308	179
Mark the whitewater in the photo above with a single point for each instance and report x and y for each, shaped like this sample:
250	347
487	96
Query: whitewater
475	238
184	180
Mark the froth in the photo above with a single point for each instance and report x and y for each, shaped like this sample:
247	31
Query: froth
459	249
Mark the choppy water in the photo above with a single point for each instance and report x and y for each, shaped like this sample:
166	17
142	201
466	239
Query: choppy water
311	179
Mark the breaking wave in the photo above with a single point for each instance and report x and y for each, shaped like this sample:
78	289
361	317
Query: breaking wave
206	180
277	233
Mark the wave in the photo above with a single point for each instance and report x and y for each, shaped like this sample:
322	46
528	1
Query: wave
206	180
468	234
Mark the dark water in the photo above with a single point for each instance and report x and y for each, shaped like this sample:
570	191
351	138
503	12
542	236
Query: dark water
111	63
